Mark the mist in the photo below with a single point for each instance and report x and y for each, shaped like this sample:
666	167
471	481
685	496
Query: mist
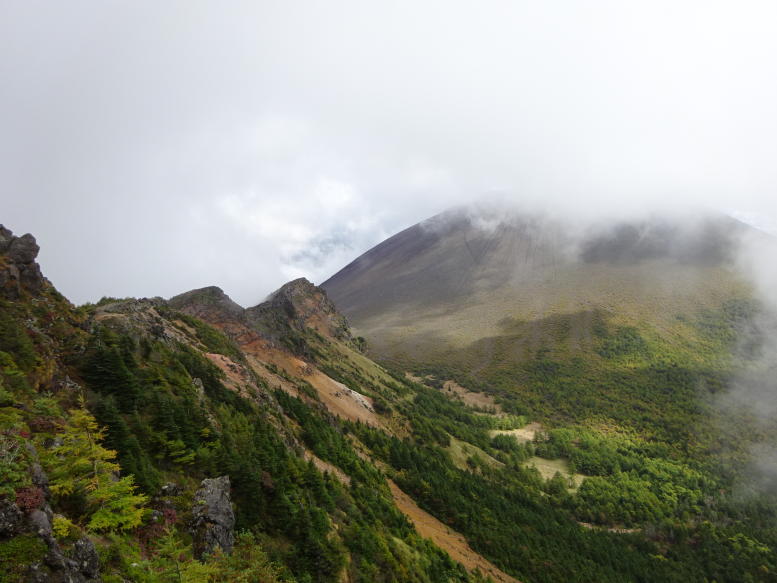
154	148
749	404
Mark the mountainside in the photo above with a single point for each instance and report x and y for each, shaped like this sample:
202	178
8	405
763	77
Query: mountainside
137	439
192	439
468	275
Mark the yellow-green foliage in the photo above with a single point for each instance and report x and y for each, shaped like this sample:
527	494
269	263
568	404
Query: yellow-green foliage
170	560
64	528
13	462
81	465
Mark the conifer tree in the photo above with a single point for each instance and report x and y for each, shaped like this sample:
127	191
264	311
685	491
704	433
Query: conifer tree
81	465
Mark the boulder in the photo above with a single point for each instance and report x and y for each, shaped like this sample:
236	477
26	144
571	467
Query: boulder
23	249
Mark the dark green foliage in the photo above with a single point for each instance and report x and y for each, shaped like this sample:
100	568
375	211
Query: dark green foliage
17	554
14	339
132	457
211	376
109	369
631	414
168	429
13	379
510	525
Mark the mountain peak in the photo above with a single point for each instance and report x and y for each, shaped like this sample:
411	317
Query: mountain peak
305	305
457	277
205	299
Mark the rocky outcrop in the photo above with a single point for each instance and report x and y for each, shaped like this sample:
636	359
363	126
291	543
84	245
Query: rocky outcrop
206	300
298	305
212	305
213	521
84	555
80	564
19	272
11	519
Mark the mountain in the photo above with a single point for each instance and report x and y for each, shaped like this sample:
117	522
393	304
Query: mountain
193	439
487	296
466	276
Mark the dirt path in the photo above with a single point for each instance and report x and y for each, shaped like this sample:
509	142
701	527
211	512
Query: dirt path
446	538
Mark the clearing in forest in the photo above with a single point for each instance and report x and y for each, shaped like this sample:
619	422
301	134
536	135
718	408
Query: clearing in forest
548	469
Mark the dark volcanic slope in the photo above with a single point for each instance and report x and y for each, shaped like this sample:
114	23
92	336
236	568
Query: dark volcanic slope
458	277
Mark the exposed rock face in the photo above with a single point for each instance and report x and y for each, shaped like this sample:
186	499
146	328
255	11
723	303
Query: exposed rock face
18	270
213	521
81	565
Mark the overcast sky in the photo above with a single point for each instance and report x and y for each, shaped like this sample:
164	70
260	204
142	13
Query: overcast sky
154	147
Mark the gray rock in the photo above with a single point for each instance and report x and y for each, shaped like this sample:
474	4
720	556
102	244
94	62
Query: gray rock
23	249
11	519
40	522
39	477
82	566
213	521
84	554
6	236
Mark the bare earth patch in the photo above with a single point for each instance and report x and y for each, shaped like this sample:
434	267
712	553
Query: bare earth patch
339	399
446	538
478	400
523	435
237	377
460	451
548	469
327	467
275	381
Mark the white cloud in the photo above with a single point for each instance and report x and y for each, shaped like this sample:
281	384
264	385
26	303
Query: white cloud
245	142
